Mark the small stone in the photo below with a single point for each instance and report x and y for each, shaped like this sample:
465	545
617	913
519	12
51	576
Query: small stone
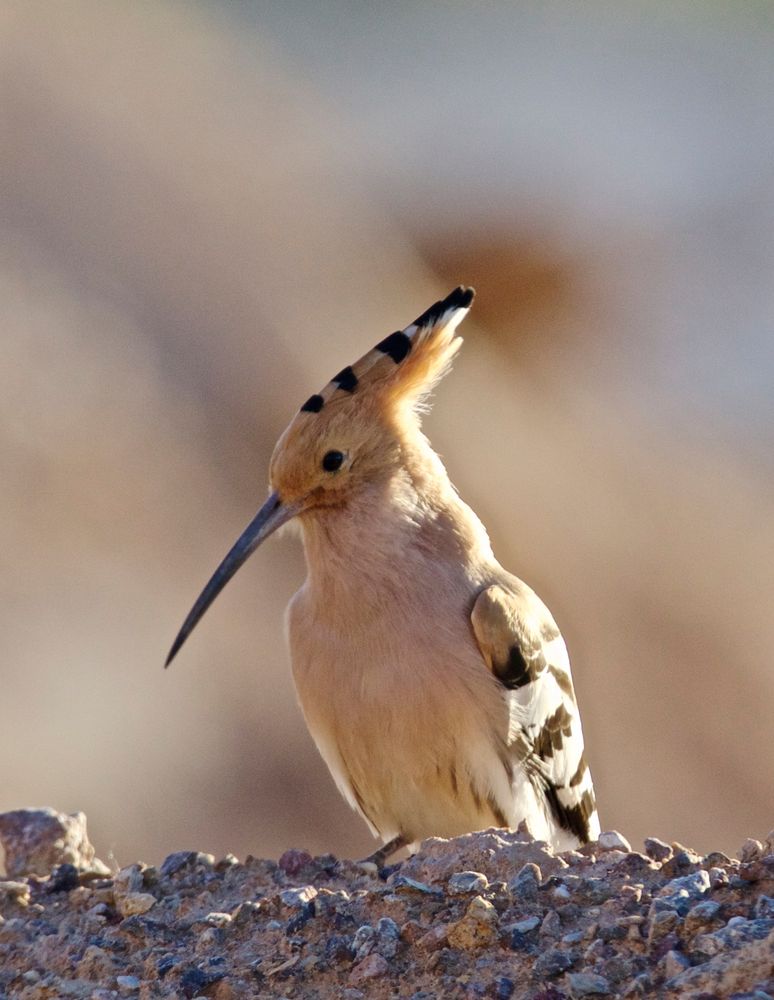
129	879
657	849
612	840
218	919
404	884
64	878
661	923
708	944
96	964
298	898
173	863
764	907
718	877
584	984
524	886
503	988
674	963
293	861
435	939
36	841
639	986
551	925
477	929
685	888
127	985
527	925
31	976
338	949
750	850
561	894
715	859
595	951
246	912
701	915
372	967
15	892
363	941
552	963
683	860
467	882
631	893
387	937
135	903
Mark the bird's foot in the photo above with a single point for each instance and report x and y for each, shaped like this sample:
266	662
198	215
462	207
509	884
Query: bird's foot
375	861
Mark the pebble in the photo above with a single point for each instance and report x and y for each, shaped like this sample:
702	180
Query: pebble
35	841
674	962
612	840
527	925
15	892
701	915
478	928
295	899
363	942
750	850
404	884
435	939
387	937
173	863
127	984
657	849
135	903
525	885
467	882
585	984
553	963
503	988
292	861
551	925
681	891
371	967
718	878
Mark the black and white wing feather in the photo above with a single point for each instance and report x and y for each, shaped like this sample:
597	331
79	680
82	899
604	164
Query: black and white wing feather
524	650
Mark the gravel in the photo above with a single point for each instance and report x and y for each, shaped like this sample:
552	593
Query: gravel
494	914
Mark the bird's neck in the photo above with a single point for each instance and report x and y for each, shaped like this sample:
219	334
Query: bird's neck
406	532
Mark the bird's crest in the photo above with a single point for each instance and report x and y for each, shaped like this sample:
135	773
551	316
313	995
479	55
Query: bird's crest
404	367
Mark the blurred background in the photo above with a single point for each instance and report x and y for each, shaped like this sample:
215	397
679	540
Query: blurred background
208	209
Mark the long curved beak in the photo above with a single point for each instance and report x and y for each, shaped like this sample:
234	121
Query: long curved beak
271	516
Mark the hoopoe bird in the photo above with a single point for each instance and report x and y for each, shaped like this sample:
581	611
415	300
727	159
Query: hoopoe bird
436	685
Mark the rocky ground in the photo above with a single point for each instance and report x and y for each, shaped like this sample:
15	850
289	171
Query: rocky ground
494	914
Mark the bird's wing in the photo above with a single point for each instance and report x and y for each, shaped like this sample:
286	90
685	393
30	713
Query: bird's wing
524	650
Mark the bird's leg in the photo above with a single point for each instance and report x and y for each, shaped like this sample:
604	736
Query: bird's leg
378	858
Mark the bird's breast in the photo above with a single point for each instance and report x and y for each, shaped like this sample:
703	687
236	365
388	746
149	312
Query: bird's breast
401	706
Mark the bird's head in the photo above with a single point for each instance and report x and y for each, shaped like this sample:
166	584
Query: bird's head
348	435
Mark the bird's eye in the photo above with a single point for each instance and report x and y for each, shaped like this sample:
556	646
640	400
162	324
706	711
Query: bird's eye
332	460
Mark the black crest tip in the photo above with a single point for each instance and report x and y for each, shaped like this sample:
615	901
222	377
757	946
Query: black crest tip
313	405
460	298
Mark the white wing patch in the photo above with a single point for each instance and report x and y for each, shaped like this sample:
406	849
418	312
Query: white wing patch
525	652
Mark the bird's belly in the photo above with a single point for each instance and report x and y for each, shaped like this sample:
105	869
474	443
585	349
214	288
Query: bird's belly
416	746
